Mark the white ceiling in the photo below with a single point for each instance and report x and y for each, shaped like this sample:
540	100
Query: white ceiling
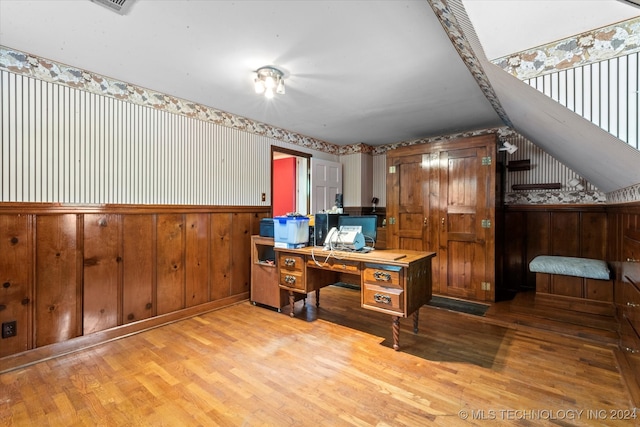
357	71
506	27
373	72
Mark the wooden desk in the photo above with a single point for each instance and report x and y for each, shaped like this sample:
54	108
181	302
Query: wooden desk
395	282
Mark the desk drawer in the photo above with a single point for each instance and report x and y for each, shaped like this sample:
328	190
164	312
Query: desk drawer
291	262
382	276
292	279
336	265
381	297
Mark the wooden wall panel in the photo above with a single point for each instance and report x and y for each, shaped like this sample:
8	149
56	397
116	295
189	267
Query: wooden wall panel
57	284
16	293
593	233
529	231
101	272
565	229
138	255
537	238
170	263
68	271
240	253
220	255
514	248
197	259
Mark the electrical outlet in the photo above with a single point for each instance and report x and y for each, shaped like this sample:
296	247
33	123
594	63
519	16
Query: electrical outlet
9	329
485	286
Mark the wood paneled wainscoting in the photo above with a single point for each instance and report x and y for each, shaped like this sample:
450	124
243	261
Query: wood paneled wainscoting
75	276
529	231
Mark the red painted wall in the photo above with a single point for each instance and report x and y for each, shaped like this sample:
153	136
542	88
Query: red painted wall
284	183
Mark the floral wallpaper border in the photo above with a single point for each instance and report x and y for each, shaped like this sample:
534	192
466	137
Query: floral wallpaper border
554	198
597	45
32	66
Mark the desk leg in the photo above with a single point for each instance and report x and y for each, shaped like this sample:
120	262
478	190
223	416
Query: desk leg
415	321
395	320
292	300
317	297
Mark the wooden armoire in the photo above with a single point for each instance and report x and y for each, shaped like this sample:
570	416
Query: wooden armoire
441	198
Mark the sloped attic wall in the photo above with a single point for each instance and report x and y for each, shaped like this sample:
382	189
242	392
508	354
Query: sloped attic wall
608	163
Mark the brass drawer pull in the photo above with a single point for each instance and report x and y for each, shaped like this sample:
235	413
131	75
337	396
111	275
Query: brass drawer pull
631	350
381	276
633	260
382	298
631	304
290	280
289	262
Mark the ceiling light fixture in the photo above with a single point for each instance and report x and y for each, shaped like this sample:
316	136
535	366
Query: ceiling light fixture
269	80
509	148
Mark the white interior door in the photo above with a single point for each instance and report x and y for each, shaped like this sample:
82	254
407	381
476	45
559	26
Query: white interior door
326	182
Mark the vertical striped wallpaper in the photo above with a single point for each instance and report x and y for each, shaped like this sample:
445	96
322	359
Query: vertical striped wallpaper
60	144
607	93
357	176
351	179
544	168
380	179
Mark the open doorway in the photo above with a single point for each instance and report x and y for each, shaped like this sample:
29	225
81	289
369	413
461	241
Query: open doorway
289	181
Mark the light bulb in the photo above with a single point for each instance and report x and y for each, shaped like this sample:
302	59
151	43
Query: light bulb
269	82
268	92
259	85
280	88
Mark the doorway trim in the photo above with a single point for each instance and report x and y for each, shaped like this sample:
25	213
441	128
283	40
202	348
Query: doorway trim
275	152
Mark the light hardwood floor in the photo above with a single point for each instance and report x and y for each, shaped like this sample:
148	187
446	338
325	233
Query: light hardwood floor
247	365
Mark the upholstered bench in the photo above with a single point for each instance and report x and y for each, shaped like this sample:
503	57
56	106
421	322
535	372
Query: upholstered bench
583	278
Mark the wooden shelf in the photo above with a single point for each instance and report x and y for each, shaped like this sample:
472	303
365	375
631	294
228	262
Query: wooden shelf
264	274
519	165
550	186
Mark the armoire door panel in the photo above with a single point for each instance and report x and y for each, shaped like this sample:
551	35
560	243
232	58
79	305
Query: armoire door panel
410	201
464	208
460	269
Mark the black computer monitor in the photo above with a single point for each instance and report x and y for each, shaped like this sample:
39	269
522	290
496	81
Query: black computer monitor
369	224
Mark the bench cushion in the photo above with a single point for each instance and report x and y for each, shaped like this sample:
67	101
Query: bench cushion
570	266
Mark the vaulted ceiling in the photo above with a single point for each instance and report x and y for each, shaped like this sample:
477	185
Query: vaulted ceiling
373	72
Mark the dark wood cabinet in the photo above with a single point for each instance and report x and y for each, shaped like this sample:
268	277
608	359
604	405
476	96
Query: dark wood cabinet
441	198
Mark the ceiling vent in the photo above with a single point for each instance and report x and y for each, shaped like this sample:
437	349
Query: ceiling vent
118	6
